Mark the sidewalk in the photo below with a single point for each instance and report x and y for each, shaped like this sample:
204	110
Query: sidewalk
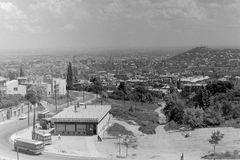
67	145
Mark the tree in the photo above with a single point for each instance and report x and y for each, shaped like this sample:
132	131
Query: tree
193	117
215	138
31	97
104	96
69	77
134	97
122	87
12	75
39	90
129	142
21	74
205	98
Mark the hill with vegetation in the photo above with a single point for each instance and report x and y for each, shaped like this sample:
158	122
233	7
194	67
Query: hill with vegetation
202	57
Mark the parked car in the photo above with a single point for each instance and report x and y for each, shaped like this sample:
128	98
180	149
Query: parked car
23	116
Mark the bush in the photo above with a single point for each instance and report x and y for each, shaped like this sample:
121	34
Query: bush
212	118
149	129
193	117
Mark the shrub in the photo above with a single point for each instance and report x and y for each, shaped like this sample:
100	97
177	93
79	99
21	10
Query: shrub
215	138
212	118
150	129
193	117
235	152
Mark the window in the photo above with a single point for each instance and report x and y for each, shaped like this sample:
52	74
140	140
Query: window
15	89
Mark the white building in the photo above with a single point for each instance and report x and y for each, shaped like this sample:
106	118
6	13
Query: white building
85	120
13	87
56	84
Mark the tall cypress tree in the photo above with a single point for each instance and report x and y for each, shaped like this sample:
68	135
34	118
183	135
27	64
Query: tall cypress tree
21	74
69	77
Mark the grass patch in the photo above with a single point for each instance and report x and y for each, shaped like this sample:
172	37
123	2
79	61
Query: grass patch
117	129
226	155
145	114
127	104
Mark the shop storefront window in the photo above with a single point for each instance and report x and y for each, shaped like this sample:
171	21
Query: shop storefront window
60	127
91	129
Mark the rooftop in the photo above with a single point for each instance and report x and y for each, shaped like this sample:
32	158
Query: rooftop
93	112
12	81
2	79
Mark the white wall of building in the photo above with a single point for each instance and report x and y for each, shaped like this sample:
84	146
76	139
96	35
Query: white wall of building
22	89
49	90
14	88
103	124
61	85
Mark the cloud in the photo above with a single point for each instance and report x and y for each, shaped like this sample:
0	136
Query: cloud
10	27
11	11
34	29
186	9
56	7
69	27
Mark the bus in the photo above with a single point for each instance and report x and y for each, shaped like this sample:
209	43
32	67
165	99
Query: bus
46	123
28	145
42	114
46	138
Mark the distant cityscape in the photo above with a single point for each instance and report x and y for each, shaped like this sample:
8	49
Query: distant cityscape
153	66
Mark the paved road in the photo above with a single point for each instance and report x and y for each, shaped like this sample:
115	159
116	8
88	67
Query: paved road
14	125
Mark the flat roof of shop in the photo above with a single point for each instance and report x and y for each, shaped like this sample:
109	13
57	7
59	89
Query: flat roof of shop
92	113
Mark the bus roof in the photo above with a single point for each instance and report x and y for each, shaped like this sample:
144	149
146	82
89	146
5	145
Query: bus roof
28	141
42	133
44	112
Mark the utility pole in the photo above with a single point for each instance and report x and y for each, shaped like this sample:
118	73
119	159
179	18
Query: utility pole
55	92
83	97
17	153
28	115
33	134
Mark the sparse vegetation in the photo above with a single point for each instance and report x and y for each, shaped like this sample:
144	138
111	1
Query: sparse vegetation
215	138
117	129
225	155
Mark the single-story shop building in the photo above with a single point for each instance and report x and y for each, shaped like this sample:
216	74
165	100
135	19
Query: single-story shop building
82	120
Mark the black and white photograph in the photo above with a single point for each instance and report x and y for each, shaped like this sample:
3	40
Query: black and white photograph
119	79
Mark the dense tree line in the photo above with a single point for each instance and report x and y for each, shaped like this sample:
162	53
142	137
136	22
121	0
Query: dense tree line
10	100
137	93
212	105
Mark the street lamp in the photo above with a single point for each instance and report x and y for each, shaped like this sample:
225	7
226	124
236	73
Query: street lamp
119	145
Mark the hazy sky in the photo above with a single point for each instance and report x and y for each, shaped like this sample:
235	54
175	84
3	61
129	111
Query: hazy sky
118	23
